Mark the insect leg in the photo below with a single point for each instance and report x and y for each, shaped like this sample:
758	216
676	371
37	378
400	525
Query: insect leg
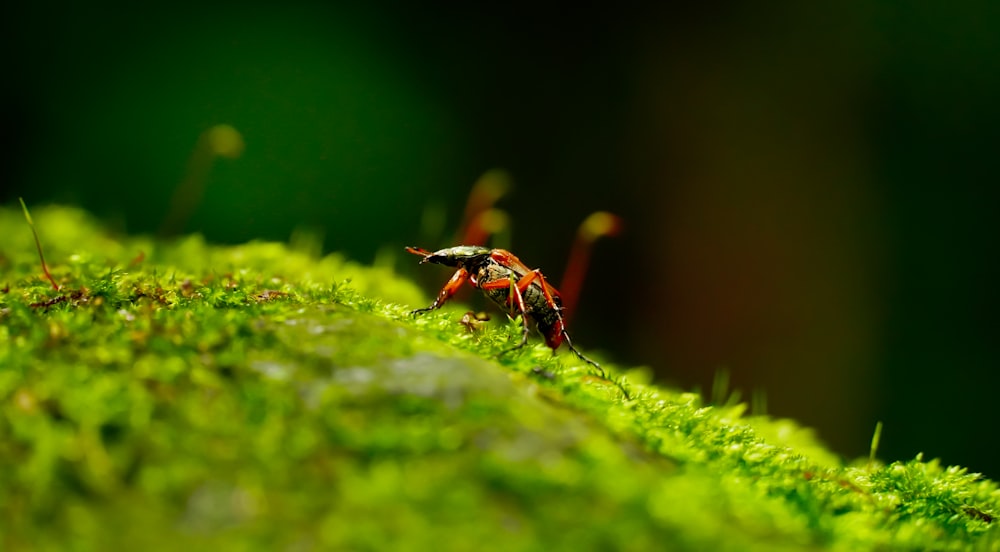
579	354
517	300
449	289
516	290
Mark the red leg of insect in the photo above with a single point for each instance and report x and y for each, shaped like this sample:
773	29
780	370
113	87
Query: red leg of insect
516	290
517	302
449	289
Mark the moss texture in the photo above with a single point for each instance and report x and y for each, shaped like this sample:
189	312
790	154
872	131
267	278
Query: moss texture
182	396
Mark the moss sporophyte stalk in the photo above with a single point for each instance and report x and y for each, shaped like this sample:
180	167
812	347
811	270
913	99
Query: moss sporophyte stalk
179	395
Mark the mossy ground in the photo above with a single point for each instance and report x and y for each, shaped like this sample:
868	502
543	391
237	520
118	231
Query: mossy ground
182	396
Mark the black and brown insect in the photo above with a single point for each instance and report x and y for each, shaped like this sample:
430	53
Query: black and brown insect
509	283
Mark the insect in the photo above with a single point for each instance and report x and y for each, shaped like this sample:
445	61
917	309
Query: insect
510	284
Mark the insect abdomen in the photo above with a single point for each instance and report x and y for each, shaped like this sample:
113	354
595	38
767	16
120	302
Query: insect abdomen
547	320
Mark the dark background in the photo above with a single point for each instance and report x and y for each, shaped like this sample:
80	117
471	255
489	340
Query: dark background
810	191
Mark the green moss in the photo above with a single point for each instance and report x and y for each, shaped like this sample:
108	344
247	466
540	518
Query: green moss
177	395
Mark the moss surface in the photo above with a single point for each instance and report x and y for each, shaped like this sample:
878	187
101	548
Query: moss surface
182	396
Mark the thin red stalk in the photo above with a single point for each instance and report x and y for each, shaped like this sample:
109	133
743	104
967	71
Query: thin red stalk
595	226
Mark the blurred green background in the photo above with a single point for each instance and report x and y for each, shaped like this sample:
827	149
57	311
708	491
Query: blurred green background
810	191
